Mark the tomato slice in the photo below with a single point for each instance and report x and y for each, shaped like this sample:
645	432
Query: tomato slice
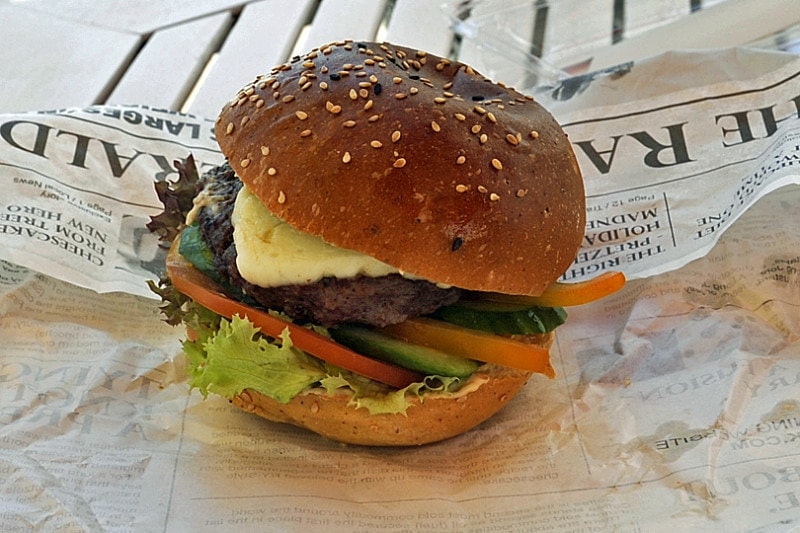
473	344
191	282
564	294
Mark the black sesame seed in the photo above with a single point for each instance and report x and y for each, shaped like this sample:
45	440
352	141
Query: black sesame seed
457	242
335	77
477	98
413	77
377	88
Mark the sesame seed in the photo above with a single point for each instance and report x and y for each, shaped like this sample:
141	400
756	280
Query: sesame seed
521	193
302	115
259	103
460	117
346	157
461	160
435	126
413	90
399	163
302	80
440	100
353	94
375	144
368	105
288	98
373	78
364	84
400	96
244	163
482	189
308	64
484	138
480	110
491	117
305	133
281	197
396	136
323	85
363	93
448	94
373	118
494	197
349	123
447	85
328	105
272	171
397	79
475	129
307	85
497	164
534	134
461	188
229	129
335	109
265	151
512	139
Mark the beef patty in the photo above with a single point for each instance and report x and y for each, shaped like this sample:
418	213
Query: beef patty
365	300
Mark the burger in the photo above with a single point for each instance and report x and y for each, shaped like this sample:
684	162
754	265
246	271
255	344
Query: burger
378	258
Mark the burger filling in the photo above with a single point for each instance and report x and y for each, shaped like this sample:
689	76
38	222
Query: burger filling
300	275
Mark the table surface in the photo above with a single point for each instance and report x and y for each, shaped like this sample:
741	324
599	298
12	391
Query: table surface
192	55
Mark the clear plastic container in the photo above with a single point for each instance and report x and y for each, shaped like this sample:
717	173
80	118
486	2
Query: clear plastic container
505	39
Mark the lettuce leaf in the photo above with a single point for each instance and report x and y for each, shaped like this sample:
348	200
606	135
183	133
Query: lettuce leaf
237	357
177	197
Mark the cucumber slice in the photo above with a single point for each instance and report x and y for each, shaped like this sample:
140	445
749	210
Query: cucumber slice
411	356
196	251
528	321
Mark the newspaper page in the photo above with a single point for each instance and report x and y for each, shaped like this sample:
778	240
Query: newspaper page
676	402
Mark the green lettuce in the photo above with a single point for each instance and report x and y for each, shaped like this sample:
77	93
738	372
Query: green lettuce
237	356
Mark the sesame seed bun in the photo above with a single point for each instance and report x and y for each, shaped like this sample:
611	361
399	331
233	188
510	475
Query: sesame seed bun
413	159
432	420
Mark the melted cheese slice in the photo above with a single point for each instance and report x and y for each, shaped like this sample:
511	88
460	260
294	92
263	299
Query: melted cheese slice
271	253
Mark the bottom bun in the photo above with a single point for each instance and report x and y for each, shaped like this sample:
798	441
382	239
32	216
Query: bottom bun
436	417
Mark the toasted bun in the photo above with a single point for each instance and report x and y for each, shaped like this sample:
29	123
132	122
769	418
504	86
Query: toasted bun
413	159
434	419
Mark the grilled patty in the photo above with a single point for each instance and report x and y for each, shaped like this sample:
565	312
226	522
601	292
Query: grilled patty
376	301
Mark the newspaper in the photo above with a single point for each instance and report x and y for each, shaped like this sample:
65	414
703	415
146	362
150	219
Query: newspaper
677	401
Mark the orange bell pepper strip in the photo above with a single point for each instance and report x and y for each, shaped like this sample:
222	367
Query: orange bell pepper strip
563	294
473	344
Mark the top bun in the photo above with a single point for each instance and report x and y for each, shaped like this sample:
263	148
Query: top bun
413	159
